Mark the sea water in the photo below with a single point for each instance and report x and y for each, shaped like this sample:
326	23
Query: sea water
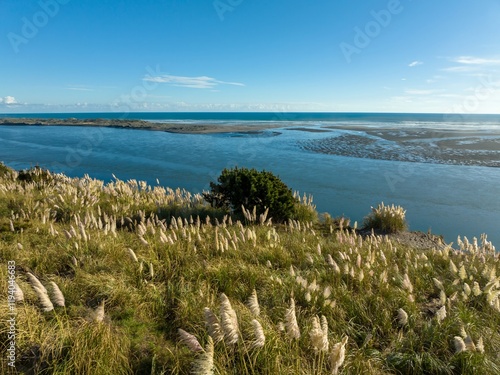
450	200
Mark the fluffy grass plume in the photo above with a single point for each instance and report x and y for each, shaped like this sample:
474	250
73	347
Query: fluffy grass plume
190	341
253	304
57	295
204	364
229	321
291	325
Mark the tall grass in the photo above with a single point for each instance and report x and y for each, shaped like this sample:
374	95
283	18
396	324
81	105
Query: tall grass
135	291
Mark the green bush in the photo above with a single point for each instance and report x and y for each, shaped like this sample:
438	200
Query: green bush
387	219
251	188
35	175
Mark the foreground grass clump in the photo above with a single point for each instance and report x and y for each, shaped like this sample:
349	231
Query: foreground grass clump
387	219
148	292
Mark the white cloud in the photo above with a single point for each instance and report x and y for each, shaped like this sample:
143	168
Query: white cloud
8	100
202	82
415	63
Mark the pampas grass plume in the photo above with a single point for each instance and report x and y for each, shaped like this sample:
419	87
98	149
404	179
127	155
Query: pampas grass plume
292	327
229	321
41	293
18	293
441	314
253	304
260	337
213	325
99	312
459	344
190	341
132	255
337	355
402	317
35	282
204	365
57	295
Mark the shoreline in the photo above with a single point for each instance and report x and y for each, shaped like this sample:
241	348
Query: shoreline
140	125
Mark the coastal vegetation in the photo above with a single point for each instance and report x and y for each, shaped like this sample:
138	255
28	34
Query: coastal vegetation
128	278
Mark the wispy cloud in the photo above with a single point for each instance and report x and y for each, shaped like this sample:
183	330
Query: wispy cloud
202	82
415	63
471	60
79	89
421	92
469	64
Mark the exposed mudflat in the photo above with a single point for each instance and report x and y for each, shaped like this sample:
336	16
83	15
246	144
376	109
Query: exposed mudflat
467	147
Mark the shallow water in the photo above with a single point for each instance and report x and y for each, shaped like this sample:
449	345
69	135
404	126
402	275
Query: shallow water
448	199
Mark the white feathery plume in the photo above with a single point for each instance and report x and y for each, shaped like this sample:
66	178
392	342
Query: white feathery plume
441	314
57	295
480	345
213	325
459	344
402	317
99	312
476	289
292	327
190	341
35	282
204	364
407	283
337	355
462	273
41	293
260	337
229	321
453	267
324	328
132	255
442	297
18	293
253	304
316	335
438	283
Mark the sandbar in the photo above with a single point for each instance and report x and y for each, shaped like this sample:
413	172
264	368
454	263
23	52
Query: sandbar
141	124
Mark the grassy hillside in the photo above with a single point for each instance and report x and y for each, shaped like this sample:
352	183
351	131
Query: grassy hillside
139	281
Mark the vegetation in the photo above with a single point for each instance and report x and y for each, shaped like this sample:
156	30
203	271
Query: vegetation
238	188
104	285
386	219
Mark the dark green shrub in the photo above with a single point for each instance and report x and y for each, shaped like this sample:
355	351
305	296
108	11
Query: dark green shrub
35	175
251	188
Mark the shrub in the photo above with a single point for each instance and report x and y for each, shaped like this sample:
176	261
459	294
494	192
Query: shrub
388	219
35	175
251	188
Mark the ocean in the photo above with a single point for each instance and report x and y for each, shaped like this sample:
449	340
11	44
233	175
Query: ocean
443	169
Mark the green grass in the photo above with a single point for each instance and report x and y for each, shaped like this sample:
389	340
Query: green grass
76	232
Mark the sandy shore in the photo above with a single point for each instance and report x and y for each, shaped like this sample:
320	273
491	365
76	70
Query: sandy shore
140	124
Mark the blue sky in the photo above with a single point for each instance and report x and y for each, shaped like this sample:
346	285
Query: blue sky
250	55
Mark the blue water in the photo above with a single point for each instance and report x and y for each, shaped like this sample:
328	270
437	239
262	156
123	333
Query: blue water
448	199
